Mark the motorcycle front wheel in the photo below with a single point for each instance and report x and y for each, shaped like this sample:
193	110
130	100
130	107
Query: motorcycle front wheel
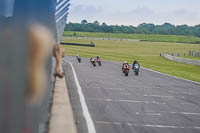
126	74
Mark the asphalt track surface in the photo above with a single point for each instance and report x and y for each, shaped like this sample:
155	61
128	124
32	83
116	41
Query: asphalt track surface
148	103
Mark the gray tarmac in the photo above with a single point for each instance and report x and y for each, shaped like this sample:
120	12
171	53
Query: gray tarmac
148	103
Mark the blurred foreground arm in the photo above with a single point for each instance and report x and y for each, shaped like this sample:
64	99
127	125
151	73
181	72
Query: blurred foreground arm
58	52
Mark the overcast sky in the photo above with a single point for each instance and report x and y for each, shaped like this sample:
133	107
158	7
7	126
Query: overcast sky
134	12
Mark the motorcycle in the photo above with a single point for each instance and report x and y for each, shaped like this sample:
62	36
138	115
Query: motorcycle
78	58
93	62
125	69
99	61
136	69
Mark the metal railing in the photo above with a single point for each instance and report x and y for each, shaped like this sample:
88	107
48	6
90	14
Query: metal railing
194	53
182	60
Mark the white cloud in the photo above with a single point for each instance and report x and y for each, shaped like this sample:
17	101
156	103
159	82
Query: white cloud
80	12
134	12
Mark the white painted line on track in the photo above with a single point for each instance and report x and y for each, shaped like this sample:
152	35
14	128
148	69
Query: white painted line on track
152	114
112	88
143	87
187	103
147	125
106	88
128	101
186	93
86	114
172	76
182	113
147	95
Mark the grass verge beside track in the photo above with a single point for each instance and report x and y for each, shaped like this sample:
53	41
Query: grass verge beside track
142	37
147	53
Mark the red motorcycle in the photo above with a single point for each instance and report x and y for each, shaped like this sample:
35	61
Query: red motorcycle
125	69
99	61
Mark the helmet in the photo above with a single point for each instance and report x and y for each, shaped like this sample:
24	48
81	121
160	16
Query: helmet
97	56
78	55
125	61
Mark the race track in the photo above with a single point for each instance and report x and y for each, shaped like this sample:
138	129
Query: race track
148	103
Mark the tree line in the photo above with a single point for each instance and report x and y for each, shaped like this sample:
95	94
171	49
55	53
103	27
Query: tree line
144	28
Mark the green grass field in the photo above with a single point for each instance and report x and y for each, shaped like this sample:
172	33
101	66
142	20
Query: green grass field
142	37
147	53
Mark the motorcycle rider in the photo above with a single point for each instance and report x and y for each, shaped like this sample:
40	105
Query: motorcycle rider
78	57
124	64
92	59
134	63
125	68
98	58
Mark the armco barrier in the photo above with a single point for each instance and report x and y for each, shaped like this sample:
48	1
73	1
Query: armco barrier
182	60
78	44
